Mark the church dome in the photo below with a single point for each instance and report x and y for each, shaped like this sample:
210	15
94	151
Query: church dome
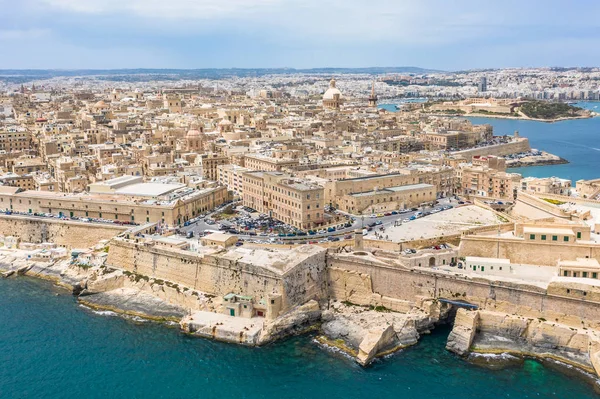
194	133
333	92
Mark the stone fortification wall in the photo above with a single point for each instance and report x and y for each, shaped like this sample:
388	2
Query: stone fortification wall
217	275
396	282
65	233
525	252
522	145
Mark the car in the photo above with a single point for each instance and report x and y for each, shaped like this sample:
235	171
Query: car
413	217
291	234
461	202
301	233
189	234
380	215
322	231
365	232
414	251
373	216
378	223
437	247
387	214
394	212
334	239
348	237
406	220
239	244
311	232
331	229
313	242
369	228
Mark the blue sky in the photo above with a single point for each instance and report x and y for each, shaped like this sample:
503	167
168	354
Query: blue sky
438	34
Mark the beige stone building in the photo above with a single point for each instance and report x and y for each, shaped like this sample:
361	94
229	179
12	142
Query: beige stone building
139	203
266	163
232	177
485	182
292	201
588	188
387	199
15	141
210	163
547	185
535	243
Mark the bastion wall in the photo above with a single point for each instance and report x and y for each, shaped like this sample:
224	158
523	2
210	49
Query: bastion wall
218	275
410	285
65	233
522	145
525	252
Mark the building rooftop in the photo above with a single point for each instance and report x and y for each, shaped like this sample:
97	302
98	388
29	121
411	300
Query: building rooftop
148	189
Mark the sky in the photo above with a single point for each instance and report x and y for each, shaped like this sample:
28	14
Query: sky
437	34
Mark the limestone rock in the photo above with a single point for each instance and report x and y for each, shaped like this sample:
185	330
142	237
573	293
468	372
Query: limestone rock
463	332
375	341
293	322
130	301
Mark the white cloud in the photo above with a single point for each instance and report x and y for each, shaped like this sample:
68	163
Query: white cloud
172	9
22	34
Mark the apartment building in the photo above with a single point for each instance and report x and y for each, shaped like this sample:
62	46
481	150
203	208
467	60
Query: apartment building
210	163
232	177
266	163
15	140
292	201
485	182
548	185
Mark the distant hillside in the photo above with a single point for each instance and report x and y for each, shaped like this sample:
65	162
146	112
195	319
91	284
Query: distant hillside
142	74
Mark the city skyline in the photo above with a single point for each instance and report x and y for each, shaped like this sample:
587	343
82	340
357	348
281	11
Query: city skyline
70	34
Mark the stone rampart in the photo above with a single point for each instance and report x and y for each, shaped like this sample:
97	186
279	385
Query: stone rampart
515	147
522	251
409	285
67	233
218	275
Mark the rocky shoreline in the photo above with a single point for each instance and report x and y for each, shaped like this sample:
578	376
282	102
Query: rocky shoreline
508	338
364	333
541	162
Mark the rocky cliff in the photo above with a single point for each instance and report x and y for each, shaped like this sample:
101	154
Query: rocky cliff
486	331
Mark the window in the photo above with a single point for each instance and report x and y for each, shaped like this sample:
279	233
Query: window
566	239
594	275
585	274
579	234
543	237
532	236
554	238
482	268
565	273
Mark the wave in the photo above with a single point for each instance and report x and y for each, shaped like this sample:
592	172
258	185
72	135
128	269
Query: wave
332	349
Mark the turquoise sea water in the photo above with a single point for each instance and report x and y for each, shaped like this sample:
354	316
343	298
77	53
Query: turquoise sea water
52	348
577	141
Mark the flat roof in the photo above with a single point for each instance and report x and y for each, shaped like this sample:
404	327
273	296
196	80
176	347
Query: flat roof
481	259
396	189
148	189
548	230
220	237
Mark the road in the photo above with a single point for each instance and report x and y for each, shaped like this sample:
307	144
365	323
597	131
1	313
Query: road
361	221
